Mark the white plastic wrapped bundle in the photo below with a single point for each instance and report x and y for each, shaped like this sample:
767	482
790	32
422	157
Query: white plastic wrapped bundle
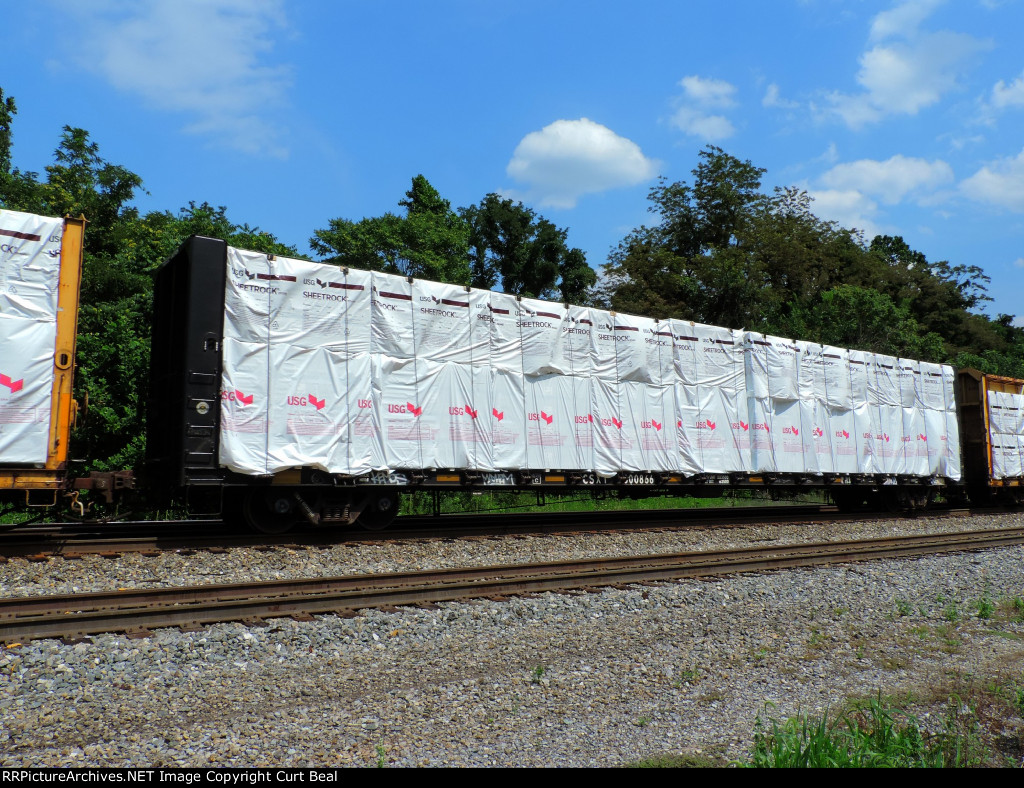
443	323
551	410
610	441
540	325
603	356
29	266
506	339
933	397
321	306
244	411
407	428
634	361
794	452
951	467
1004	418
845	444
507	423
713	423
29	275
935	425
26	380
648	416
392	328
570	353
247	297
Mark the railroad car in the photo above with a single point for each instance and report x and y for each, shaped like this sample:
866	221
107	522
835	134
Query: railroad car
300	392
40	278
992	426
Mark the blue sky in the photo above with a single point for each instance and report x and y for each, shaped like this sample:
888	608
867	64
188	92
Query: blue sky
897	117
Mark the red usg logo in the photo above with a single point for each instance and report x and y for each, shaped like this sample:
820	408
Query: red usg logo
499	415
317	403
13	385
472	413
617	423
243	399
548	419
921	437
818	432
413	409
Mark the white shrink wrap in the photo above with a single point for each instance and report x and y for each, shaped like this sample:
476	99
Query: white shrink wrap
867	437
886	388
551	422
935	432
444	324
951	467
603	357
610	441
26	380
1004	417
792	423
915	442
713	424
445	397
763	438
392	330
308	408
636	357
844	441
835	364
321	306
772	367
245	388
29	266
889	439
407	428
648	416
506	339
657	429
708	356
248	297
540	326
507	423
933	396
570	354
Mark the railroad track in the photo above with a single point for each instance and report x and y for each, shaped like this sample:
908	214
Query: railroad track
138	611
152	537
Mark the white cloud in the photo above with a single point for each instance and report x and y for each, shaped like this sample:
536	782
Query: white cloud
1019	262
701	98
1011	95
891	180
699	124
903	19
570	158
1000	182
772	98
207	59
1019	321
849	207
905	70
709	92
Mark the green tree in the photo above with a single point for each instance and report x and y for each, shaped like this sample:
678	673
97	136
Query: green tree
527	254
430	241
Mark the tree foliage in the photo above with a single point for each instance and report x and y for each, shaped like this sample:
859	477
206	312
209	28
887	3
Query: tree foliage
722	251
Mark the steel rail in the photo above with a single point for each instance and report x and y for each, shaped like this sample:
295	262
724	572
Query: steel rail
76	615
161	538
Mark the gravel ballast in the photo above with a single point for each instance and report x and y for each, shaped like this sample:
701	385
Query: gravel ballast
597	679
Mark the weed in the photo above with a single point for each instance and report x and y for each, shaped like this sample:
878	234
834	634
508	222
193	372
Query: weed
870	736
381	755
951	613
985	606
839	612
538	674
643	722
903	607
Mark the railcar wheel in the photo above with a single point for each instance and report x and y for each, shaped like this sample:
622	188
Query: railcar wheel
270	511
380	511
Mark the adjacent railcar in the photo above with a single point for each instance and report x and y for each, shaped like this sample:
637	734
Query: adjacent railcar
40	273
40	280
992	424
301	392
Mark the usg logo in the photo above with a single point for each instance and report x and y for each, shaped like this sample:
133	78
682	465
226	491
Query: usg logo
13	385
